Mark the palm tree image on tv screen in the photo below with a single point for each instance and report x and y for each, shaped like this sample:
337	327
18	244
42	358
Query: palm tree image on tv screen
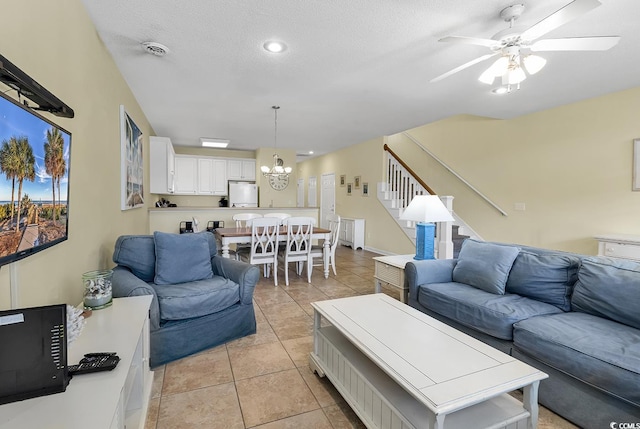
34	167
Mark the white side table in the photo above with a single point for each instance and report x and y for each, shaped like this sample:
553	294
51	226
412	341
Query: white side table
390	270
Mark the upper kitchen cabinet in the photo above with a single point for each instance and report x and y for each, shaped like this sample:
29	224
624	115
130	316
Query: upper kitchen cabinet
186	174
241	169
212	176
161	166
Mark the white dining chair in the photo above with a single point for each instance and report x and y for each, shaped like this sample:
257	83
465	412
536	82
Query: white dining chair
281	216
243	220
318	250
263	249
298	246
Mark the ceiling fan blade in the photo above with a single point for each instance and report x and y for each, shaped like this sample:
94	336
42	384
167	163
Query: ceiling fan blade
489	43
463	66
576	44
568	13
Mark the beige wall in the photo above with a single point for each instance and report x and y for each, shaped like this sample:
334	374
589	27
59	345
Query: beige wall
571	166
364	160
56	44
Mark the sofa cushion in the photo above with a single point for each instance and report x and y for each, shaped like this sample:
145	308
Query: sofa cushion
136	252
484	265
601	352
545	277
198	298
181	258
609	288
483	311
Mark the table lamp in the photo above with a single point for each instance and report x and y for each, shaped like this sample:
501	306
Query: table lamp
424	210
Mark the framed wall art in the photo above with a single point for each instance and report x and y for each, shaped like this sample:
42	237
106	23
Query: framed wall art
356	182
365	189
349	188
343	179
636	165
132	168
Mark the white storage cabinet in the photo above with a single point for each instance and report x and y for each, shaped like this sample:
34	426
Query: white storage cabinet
351	233
624	246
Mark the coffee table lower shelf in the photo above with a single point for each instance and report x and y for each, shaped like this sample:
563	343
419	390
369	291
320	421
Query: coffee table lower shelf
382	403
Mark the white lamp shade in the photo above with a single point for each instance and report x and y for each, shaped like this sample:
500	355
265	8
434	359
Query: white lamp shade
264	169
514	77
534	63
427	208
496	69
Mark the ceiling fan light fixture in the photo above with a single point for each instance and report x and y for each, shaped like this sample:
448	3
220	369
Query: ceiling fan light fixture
513	76
498	68
533	63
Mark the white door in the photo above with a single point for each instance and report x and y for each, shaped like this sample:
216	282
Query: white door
313	192
300	202
327	198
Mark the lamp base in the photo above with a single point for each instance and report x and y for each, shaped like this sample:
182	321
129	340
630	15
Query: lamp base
425	237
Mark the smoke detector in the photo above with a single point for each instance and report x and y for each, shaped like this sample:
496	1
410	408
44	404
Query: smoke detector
155	48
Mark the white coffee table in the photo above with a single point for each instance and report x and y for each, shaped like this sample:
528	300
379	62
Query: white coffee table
399	368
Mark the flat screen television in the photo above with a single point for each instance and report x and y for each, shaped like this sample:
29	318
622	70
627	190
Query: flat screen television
34	182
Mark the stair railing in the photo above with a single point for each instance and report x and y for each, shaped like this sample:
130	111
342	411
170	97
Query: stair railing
403	184
402	181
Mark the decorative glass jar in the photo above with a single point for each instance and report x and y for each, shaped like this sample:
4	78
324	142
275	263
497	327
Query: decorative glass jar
97	289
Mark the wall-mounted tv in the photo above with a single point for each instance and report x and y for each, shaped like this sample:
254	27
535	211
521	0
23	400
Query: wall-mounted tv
34	181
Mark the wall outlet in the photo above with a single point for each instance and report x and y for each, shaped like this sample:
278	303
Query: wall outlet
519	207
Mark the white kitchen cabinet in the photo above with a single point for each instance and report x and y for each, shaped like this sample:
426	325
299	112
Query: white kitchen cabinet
186	174
161	165
351	233
212	176
241	169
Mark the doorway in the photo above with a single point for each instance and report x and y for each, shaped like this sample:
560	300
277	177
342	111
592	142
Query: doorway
327	198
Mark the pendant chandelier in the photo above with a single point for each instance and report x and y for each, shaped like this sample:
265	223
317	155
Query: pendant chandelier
278	168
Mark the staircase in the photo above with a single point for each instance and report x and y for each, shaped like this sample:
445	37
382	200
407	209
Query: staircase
396	192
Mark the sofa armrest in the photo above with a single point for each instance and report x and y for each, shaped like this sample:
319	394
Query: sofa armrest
418	273
124	283
246	275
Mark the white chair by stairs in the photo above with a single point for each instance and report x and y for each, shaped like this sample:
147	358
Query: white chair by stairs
318	251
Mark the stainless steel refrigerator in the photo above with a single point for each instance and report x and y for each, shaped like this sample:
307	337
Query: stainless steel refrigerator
243	194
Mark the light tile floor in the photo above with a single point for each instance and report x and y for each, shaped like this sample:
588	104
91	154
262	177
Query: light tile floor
263	380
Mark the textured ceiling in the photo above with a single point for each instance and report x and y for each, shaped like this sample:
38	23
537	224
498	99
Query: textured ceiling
354	69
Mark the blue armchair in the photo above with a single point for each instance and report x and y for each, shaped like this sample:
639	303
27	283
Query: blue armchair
200	300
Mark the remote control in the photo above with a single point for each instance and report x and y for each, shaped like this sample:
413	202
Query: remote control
94	363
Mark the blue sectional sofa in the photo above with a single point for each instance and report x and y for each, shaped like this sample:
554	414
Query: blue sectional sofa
200	300
575	317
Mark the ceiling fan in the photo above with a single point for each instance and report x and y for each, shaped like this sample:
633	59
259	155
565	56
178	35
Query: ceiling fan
513	46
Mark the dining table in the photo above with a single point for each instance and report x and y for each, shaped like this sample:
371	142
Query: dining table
229	236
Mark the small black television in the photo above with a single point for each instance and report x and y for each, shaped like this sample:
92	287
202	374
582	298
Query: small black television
33	356
34	181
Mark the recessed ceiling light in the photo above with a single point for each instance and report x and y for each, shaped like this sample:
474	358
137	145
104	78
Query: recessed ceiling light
310	152
274	47
500	90
217	143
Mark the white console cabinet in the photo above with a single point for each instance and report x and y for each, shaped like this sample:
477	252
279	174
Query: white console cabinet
116	399
351	233
619	246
